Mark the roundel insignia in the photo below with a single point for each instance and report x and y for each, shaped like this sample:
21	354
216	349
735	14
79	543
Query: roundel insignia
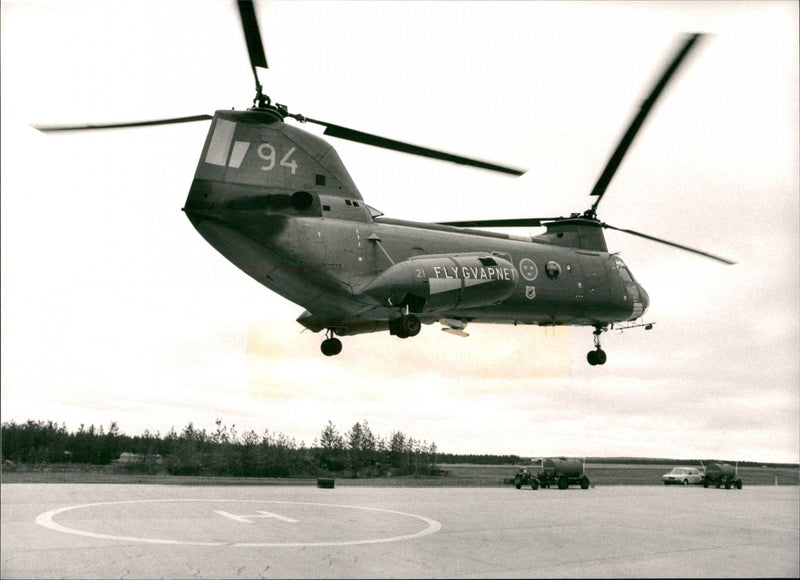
528	269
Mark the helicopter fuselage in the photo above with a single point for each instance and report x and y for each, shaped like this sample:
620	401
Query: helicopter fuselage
314	241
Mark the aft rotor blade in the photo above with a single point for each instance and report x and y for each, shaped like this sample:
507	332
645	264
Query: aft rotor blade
616	158
172	121
375	140
673	244
501	223
252	36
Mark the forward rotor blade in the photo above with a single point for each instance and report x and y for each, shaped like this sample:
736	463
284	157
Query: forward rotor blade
668	243
174	120
252	36
501	223
376	141
622	148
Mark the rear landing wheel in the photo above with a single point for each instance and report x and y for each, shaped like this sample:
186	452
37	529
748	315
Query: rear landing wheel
331	346
406	326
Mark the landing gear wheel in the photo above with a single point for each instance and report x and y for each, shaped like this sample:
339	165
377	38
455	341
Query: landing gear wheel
407	325
596	357
331	346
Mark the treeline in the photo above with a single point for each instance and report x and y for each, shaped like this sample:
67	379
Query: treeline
357	452
481	459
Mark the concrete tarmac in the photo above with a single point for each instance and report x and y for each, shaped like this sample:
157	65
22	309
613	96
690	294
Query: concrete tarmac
171	531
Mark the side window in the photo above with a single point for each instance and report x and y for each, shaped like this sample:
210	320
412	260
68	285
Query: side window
552	269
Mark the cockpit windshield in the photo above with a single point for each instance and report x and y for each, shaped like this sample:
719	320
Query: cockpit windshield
624	273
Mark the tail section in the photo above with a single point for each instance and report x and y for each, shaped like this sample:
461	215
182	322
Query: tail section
250	154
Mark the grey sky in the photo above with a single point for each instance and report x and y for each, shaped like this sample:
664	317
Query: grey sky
113	308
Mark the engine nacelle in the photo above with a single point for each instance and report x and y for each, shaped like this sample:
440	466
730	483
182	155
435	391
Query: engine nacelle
437	283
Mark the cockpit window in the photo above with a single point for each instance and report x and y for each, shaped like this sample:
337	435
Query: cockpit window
624	273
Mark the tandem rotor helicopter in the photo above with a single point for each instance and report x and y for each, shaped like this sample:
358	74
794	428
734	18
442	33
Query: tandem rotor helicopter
278	202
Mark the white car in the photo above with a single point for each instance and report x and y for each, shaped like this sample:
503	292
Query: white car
683	476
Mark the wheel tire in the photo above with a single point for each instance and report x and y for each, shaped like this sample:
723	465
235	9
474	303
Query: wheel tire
331	346
738	484
410	325
585	483
563	483
705	484
600	357
591	357
534	484
518	484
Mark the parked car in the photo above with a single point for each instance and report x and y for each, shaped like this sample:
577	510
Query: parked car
683	476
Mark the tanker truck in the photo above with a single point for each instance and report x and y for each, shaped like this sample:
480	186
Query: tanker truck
720	474
562	472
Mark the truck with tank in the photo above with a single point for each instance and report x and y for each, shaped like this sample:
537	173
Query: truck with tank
722	474
560	471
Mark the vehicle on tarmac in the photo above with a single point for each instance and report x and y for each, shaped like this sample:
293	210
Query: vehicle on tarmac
683	476
523	477
559	471
719	474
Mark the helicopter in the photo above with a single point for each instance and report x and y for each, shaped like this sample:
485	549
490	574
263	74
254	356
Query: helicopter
278	202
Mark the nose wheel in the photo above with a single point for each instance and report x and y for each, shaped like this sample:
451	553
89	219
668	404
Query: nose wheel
331	345
598	355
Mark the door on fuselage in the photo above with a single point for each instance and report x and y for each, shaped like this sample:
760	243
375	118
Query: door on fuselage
595	283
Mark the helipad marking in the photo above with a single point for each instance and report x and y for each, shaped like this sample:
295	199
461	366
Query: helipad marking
260	514
46	520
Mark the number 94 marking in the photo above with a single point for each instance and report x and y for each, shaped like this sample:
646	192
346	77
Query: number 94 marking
267	152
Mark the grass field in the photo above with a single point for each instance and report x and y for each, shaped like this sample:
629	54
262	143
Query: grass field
458	475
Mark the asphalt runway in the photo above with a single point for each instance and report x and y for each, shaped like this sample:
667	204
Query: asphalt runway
172	531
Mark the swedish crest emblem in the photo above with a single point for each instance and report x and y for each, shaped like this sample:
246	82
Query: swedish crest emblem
530	292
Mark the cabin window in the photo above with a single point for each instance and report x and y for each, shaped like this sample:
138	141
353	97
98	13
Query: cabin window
487	261
326	208
552	269
320	179
355	204
348	202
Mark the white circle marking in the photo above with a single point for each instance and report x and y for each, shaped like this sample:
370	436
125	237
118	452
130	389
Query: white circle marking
46	520
528	269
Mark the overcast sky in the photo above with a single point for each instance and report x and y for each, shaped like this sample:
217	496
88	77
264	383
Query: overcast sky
115	309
